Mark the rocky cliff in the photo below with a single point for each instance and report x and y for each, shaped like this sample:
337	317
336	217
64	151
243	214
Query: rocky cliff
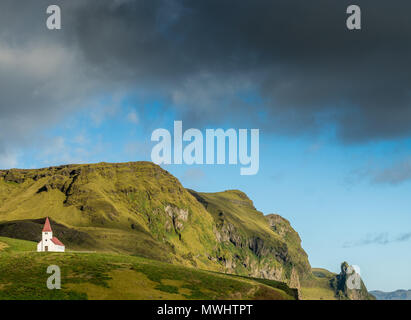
348	285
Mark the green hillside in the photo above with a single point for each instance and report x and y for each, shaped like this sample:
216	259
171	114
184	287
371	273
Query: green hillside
134	208
131	211
319	286
116	276
140	209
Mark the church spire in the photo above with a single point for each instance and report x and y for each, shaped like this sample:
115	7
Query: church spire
47	227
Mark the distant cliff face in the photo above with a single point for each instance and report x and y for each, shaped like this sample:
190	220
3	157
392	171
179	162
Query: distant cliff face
395	295
139	208
251	243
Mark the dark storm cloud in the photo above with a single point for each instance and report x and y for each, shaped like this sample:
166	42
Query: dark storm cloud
41	79
210	59
298	55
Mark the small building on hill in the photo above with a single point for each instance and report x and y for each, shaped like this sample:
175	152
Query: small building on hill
49	243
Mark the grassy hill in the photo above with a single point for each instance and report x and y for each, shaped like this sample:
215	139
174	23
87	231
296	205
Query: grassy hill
139	215
116	276
133	208
140	209
319	286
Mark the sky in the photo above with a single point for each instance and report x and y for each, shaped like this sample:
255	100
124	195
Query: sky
332	106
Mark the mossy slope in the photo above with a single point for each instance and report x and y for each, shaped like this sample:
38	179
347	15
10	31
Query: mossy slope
140	209
116	276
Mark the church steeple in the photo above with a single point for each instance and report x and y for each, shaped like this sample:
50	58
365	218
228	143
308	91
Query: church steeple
47	233
47	227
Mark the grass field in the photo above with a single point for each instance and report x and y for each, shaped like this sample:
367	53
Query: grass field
115	276
137	208
318	288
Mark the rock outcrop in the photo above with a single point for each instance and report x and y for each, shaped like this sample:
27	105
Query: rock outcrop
348	285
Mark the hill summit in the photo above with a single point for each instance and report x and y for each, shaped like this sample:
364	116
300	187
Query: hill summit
140	209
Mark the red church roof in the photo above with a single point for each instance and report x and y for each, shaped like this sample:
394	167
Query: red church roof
47	227
57	241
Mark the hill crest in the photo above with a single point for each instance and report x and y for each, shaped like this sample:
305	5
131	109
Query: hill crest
138	208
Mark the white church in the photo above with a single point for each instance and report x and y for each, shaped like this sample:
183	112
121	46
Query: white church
49	243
